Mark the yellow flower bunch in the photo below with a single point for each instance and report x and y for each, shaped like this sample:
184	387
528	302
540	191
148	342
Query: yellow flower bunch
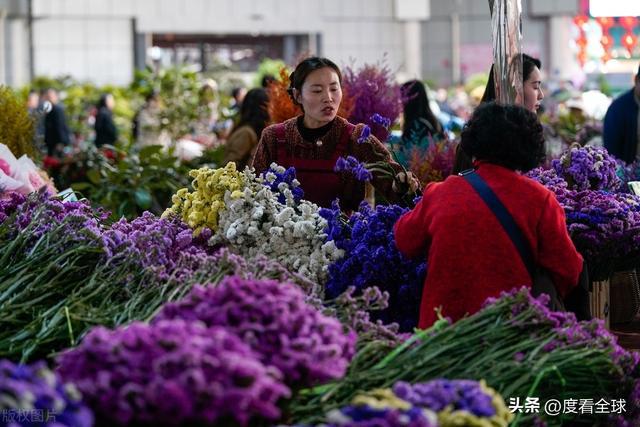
382	398
201	207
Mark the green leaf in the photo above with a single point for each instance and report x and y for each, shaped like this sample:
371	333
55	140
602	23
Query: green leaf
143	198
149	151
80	186
94	176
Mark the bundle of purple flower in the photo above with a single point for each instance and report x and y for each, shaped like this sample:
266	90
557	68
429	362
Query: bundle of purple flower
588	168
9	203
172	373
284	331
602	225
32	395
287	177
154	243
372	259
352	166
455	395
366	416
376	96
549	178
41	214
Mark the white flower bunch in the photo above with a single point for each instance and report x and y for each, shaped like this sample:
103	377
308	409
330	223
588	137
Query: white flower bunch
293	233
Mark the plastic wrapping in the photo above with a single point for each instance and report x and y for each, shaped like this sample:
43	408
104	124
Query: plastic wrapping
506	26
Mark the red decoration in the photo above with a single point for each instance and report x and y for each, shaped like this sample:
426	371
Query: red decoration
605	22
582	56
606	41
580	20
628	22
629	40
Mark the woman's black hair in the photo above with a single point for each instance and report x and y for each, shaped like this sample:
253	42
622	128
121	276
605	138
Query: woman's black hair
416	106
507	135
528	62
306	67
102	102
253	111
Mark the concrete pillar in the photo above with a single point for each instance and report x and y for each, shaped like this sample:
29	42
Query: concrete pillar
562	64
412	50
455	48
3	60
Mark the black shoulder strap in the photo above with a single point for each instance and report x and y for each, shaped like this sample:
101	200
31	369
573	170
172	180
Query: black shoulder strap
503	215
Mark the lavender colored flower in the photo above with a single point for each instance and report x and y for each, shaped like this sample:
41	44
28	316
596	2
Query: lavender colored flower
381	120
372	259
39	214
154	243
287	333
364	135
465	395
549	178
172	373
351	165
9	203
588	168
34	396
375	91
366	416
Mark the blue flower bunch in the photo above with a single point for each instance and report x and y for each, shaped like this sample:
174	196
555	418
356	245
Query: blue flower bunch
351	165
32	395
279	179
372	259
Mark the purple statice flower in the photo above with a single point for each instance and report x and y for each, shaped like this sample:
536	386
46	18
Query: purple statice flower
288	177
374	90
465	395
32	395
602	225
549	178
351	165
567	330
588	168
39	214
172	373
380	120
364	135
153	242
9	203
366	416
372	259
274	319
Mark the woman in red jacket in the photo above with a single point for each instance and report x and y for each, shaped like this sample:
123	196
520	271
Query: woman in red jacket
313	142
470	257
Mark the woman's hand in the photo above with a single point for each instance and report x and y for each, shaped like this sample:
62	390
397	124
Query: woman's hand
405	182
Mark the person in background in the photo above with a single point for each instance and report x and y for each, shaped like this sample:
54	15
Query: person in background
148	127
472	260
254	117
237	96
419	121
315	140
106	130
56	132
530	97
621	133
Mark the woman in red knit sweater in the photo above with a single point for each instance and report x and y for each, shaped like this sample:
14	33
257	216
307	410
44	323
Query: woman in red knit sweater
470	257
313	142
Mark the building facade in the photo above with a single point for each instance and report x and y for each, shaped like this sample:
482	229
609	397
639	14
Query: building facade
103	41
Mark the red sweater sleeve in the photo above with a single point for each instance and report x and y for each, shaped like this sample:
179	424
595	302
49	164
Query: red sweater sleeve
411	229
556	251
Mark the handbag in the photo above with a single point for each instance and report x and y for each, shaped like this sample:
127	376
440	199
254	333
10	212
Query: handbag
541	282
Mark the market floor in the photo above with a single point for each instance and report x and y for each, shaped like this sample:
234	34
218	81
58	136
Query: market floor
628	334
